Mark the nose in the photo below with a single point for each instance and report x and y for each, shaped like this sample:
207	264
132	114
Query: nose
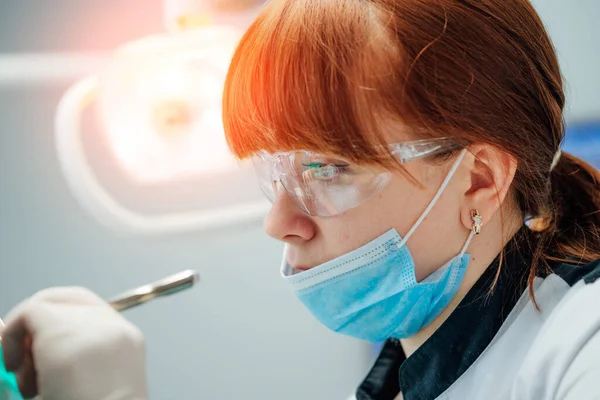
288	223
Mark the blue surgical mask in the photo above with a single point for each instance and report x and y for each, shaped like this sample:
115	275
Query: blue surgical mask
372	292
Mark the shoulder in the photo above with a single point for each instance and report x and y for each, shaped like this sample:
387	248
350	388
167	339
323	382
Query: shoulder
577	314
573	274
581	302
564	361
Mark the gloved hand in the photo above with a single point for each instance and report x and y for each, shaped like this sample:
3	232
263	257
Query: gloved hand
68	344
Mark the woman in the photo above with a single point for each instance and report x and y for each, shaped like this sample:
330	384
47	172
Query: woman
412	153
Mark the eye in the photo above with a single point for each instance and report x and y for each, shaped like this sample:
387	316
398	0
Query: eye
325	172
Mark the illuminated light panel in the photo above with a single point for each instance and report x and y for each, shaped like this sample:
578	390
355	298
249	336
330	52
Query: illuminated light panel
159	104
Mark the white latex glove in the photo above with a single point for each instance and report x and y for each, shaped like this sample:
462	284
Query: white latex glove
69	344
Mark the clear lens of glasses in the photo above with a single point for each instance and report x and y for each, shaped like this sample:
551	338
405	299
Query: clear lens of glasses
319	185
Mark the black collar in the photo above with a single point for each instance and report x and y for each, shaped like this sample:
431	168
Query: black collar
455	346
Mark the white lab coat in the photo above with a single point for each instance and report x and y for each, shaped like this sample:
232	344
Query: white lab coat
551	354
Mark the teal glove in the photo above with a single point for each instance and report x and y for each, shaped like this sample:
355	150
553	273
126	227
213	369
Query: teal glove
9	390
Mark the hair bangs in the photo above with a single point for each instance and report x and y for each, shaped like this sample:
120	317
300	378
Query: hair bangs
308	75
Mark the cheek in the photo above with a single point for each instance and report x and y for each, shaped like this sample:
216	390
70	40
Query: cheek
365	223
352	229
344	237
401	206
398	206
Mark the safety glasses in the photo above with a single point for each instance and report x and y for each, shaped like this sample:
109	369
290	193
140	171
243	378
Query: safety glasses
324	186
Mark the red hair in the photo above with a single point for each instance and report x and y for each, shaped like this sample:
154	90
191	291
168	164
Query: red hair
333	75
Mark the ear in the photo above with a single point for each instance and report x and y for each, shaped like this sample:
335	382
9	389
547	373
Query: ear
491	173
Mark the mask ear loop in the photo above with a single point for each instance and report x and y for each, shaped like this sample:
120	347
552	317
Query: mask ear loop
467	243
435	198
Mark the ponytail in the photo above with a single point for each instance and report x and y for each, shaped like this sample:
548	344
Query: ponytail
568	230
575	198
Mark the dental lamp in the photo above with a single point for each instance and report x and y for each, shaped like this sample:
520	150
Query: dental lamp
158	103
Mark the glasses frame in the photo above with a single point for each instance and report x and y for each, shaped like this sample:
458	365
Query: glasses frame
403	152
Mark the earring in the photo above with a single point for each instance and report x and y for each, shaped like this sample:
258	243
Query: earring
477	221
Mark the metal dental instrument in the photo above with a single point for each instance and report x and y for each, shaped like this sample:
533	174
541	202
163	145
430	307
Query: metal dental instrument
164	287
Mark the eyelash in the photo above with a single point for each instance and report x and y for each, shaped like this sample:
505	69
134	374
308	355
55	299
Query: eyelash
341	169
321	165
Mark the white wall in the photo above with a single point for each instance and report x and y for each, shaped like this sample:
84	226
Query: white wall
573	26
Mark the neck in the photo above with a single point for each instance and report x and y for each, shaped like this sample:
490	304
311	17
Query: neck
483	249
